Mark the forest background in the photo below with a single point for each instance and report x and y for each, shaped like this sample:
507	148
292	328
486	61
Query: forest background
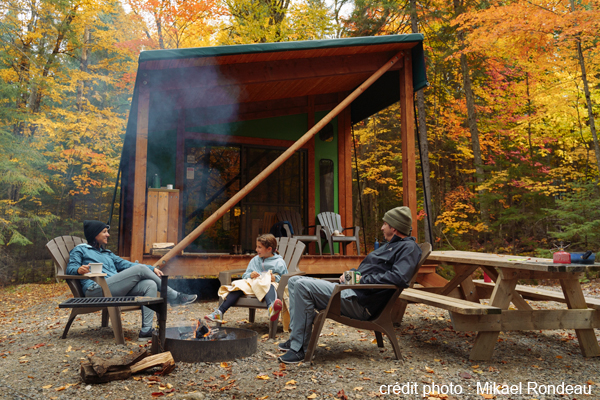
507	134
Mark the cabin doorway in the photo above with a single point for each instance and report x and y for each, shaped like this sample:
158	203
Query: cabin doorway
214	172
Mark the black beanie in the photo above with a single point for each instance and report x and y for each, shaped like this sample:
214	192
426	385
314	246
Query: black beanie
91	229
400	219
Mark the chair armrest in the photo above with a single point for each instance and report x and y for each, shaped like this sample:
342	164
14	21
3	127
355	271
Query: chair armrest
226	276
80	277
98	278
355	228
334	305
284	281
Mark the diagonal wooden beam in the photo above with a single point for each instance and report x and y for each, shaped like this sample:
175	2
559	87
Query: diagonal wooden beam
275	164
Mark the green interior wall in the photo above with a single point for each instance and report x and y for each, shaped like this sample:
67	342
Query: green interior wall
162	144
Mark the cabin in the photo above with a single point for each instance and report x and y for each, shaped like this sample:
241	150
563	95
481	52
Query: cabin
205	122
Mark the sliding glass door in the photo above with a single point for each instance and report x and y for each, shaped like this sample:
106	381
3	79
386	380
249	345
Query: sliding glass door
215	172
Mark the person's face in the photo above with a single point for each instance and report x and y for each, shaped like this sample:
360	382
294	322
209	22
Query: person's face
263	251
102	237
388	231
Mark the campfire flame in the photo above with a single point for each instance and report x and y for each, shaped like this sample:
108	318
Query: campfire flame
203	331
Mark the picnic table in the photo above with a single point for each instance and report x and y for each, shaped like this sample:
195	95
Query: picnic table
581	314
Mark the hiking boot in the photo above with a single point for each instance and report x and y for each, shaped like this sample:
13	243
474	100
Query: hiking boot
145	336
292	357
285	346
215	316
274	310
184	299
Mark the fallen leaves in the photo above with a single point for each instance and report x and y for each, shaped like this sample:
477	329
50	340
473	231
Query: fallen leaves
263	377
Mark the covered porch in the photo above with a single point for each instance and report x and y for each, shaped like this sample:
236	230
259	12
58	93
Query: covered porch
209	120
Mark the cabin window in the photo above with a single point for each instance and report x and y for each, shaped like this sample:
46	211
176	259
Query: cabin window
216	172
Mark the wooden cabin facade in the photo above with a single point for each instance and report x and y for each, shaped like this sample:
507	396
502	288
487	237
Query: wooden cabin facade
206	121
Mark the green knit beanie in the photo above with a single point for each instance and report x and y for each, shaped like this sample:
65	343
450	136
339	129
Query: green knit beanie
399	218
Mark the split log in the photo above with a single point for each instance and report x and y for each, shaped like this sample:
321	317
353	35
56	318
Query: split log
102	365
154	361
100	370
115	373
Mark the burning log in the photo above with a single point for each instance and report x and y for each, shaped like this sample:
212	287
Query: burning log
205	332
202	330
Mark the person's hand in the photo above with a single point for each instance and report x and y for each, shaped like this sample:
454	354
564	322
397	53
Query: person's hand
254	274
158	272
84	269
272	277
342	278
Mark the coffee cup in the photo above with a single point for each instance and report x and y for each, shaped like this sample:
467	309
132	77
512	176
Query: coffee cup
96	268
352	277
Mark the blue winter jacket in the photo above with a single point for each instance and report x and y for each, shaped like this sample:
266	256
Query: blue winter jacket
84	254
275	264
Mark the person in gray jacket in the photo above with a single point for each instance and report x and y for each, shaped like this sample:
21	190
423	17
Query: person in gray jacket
393	263
123	277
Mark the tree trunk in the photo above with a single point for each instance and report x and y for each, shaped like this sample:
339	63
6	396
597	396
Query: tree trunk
472	118
424	147
588	99
83	67
474	129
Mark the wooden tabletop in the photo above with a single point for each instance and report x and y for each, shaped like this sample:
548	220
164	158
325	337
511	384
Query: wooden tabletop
508	261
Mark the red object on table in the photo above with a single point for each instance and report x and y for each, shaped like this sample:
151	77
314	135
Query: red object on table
486	278
561	257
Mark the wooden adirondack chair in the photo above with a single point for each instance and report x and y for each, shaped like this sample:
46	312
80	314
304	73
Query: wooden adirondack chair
60	248
331	222
381	323
291	250
293	217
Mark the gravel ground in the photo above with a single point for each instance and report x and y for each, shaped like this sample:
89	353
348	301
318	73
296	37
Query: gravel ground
36	364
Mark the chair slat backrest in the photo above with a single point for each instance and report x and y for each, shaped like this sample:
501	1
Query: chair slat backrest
331	220
425	252
59	249
291	250
269	219
294	218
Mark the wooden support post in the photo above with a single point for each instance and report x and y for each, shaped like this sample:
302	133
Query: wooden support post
575	300
275	164
407	118
483	349
312	177
140	182
179	170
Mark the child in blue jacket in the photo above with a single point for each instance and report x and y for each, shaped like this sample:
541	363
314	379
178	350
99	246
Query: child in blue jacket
260	279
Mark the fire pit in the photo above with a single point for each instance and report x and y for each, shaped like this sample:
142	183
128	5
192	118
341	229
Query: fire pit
228	344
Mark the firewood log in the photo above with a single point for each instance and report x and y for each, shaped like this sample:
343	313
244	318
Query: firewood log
153	361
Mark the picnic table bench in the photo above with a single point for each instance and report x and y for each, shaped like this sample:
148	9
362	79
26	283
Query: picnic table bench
451	304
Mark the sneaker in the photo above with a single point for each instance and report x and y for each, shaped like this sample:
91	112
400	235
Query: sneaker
285	346
215	316
185	299
145	336
292	357
275	309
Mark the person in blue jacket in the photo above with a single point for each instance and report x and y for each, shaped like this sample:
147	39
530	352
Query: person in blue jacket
123	277
260	279
393	263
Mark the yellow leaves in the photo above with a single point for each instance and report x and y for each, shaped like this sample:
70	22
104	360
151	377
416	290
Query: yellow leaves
312	396
291	382
263	377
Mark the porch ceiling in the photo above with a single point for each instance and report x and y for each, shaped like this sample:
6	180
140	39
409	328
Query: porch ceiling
208	77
